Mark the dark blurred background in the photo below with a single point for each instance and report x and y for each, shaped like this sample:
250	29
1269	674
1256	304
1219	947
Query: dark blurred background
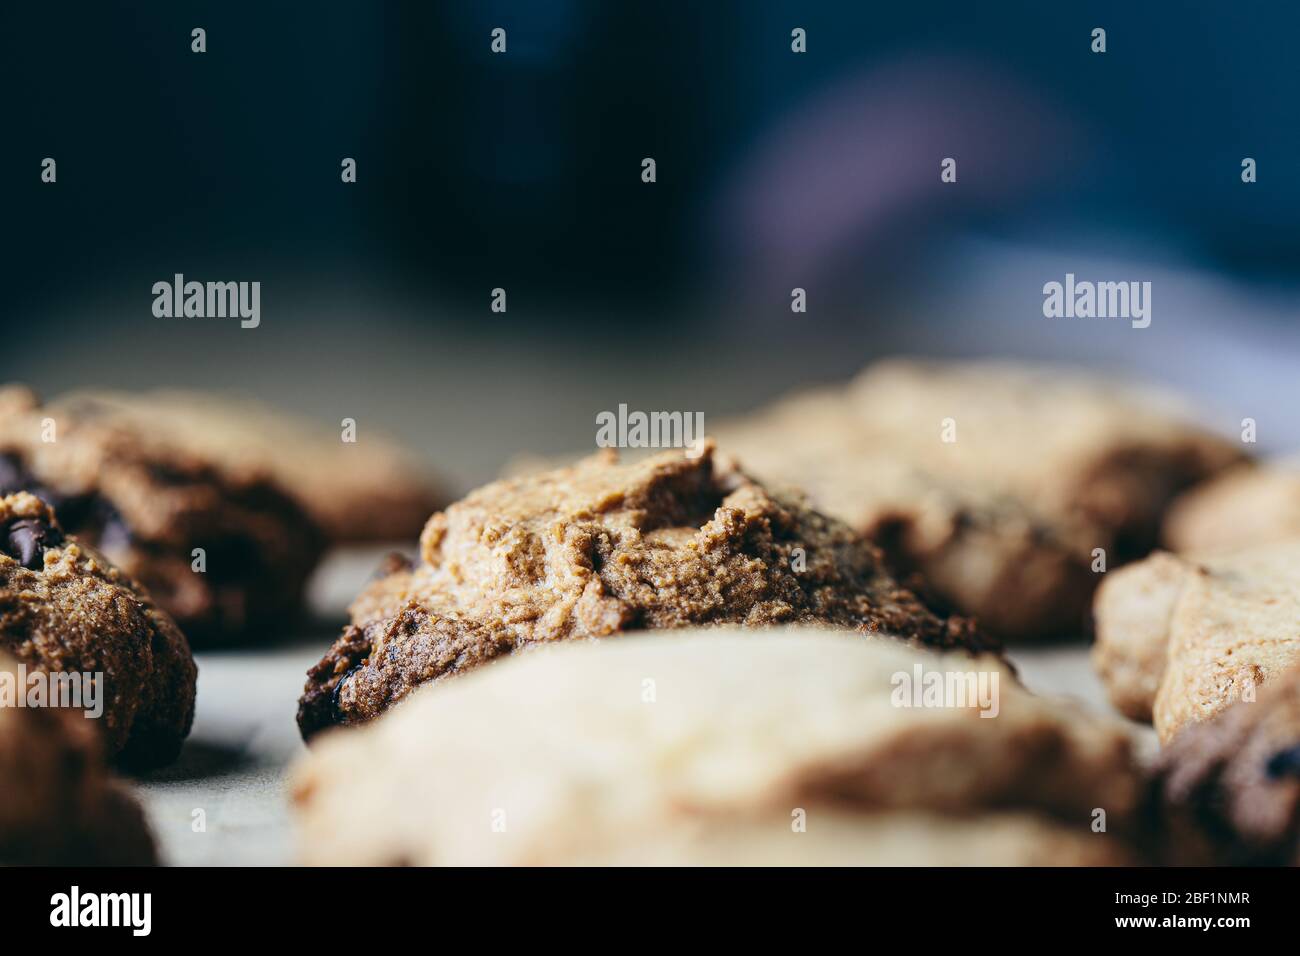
523	171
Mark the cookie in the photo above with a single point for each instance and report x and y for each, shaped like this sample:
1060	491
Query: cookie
886	840
1246	505
173	501
1000	484
1132	612
1181	638
363	490
58	805
714	746
1229	788
600	548
65	609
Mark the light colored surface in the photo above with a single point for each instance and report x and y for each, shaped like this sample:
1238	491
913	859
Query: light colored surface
245	735
232	768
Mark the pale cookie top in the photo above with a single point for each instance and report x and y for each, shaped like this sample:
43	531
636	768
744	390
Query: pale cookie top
608	750
1132	612
1021	423
1246	505
818	442
1038	442
1181	638
1233	628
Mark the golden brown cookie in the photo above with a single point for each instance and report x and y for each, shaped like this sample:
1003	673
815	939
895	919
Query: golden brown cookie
1132	613
363	490
998	482
1229	787
64	609
600	548
58	806
1202	631
790	746
177	503
1244	506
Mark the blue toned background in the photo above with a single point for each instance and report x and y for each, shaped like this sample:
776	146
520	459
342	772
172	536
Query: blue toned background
775	170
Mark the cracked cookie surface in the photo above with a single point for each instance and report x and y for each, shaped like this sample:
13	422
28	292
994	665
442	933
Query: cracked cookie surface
602	548
65	608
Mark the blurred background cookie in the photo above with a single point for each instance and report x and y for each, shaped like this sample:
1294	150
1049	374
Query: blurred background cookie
793	746
177	501
357	485
600	548
58	805
1245	505
997	482
66	610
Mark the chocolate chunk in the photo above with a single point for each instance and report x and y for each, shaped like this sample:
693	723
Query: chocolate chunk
87	514
28	539
1285	763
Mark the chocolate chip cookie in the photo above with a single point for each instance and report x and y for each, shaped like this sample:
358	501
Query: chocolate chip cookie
58	805
1002	484
363	489
1229	788
175	502
65	609
600	548
782	746
1181	638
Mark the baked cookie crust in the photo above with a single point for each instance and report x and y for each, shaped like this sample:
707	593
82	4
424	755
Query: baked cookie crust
1203	631
65	608
601	548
